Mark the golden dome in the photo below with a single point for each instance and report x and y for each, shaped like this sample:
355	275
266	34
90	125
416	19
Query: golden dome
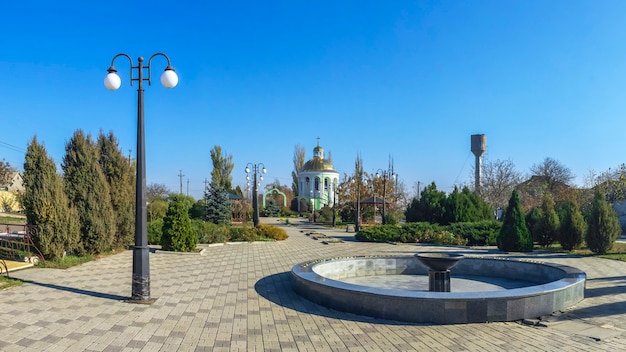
318	164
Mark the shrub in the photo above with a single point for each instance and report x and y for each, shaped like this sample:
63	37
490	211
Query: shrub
380	234
209	232
272	232
155	230
603	225
481	233
243	234
421	232
178	234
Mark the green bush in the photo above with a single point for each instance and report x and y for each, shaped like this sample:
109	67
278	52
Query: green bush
243	234
413	232
380	234
272	232
155	230
480	233
420	232
209	232
178	234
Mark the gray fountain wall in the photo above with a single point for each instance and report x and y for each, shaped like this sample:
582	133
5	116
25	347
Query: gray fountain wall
555	287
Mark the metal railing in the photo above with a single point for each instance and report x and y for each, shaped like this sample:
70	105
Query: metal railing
16	244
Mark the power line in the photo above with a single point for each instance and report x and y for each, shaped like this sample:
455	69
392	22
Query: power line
12	147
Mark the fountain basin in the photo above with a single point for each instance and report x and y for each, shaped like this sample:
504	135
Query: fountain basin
550	287
439	261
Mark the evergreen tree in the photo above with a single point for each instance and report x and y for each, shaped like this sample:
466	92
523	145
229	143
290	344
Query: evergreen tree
46	205
548	225
533	220
121	181
573	227
88	190
604	227
430	207
484	211
514	236
198	210
218	205
178	234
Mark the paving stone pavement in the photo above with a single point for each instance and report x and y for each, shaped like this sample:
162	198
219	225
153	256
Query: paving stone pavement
237	297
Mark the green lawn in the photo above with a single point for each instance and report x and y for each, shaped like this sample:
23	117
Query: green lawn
6	282
12	220
618	252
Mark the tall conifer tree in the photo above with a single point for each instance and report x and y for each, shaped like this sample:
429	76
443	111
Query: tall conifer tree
88	191
514	235
46	206
603	224
118	172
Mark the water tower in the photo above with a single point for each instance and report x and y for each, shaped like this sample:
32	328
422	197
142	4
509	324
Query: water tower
479	146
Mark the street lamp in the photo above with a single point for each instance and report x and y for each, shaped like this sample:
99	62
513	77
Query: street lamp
255	201
141	251
385	174
312	198
335	188
358	204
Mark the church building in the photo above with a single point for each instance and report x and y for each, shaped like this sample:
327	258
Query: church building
317	181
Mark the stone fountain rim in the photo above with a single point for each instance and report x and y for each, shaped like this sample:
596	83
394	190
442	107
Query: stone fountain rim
570	277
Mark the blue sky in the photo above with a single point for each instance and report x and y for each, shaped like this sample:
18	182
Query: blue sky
407	79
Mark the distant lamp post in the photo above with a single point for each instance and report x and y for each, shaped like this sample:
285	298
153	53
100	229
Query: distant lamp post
313	204
141	251
385	174
256	168
335	189
358	205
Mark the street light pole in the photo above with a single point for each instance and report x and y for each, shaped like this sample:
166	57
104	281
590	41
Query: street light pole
335	205
358	205
255	201
141	251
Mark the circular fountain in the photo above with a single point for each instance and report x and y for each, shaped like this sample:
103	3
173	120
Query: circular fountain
483	289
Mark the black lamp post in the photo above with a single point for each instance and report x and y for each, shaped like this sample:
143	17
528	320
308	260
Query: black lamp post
313	204
335	188
385	174
255	201
358	205
141	251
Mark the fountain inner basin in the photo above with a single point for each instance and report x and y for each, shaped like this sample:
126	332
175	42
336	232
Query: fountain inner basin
396	287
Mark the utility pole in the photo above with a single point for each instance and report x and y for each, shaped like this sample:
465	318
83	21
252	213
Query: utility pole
180	175
206	198
187	187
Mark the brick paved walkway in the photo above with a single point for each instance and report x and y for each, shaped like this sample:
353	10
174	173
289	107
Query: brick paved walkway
237	297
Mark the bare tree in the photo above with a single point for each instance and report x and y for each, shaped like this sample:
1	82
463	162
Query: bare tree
298	163
611	182
553	171
499	179
156	191
6	170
